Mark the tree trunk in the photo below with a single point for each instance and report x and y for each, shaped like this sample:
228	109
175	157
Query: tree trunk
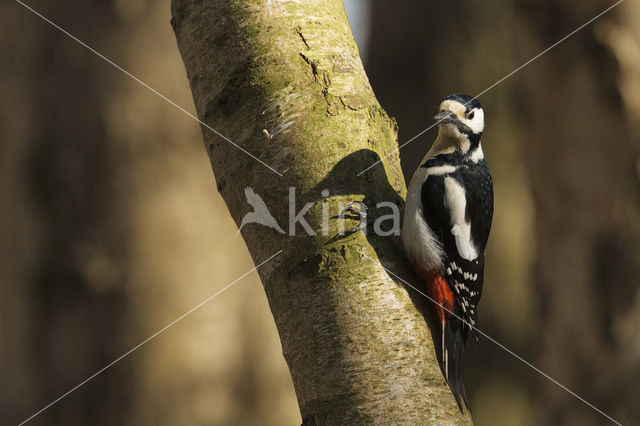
284	81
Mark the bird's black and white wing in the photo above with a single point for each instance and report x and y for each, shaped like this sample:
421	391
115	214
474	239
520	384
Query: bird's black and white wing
458	207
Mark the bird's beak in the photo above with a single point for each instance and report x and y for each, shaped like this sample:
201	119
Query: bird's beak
445	117
448	117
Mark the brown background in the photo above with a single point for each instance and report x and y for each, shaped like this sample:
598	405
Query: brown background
112	226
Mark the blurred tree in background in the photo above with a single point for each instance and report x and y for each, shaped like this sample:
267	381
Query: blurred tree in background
111	227
582	158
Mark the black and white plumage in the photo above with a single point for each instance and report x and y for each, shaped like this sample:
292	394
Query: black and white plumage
447	220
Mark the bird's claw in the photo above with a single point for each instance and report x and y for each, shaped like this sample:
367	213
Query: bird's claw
361	212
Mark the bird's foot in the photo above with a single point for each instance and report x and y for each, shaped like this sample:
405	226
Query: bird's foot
360	213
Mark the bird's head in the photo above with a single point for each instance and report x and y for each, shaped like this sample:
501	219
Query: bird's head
461	115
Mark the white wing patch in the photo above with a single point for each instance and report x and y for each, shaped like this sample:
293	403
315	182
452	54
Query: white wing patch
456	201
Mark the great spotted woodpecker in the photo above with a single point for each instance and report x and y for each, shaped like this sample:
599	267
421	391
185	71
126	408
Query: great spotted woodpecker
446	226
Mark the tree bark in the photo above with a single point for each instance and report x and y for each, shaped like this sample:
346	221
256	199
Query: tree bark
284	81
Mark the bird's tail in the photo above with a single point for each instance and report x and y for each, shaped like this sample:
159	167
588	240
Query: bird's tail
454	337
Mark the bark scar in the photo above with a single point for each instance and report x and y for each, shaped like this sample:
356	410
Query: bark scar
314	67
299	31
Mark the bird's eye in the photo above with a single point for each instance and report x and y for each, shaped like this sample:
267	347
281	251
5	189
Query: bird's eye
470	115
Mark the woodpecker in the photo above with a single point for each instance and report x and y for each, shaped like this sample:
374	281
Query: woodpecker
447	220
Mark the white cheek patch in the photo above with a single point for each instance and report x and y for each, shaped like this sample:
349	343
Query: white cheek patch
476	124
456	202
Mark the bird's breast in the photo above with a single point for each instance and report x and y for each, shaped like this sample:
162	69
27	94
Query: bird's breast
420	243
